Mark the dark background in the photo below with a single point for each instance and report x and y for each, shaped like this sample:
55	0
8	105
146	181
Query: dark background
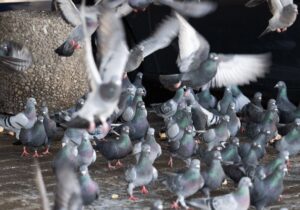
233	28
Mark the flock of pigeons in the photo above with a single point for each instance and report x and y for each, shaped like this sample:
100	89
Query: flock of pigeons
197	125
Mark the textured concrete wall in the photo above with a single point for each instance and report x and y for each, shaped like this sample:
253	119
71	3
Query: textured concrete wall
58	81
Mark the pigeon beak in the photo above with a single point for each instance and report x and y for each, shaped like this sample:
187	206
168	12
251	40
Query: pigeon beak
198	166
63	144
276	86
220	158
78	122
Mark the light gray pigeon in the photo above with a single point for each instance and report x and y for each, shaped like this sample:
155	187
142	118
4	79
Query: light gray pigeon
14	57
185	183
25	119
199	67
237	200
284	14
150	140
141	174
106	84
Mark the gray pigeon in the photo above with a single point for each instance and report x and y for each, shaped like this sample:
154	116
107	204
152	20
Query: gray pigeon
234	123
199	67
284	14
50	127
213	175
34	137
106	84
73	136
224	103
141	174
126	99
86	153
253	111
237	200
185	183
206	99
230	153
239	98
89	189
129	111
14	57
286	128
25	119
138	81
215	136
150	140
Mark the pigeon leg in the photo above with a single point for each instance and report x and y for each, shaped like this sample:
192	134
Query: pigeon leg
144	190
36	154
170	163
175	205
46	151
24	153
130	192
119	163
110	166
182	202
206	192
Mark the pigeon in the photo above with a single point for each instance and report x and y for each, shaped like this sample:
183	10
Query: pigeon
230	153
138	81
283	103
157	205
86	153
186	148
73	136
199	67
89	189
140	174
169	108
250	159
183	116
34	137
100	132
239	98
237	200
213	175
223	104
14	57
50	127
206	99
126	99
268	190
234	123
115	149
290	142
106	85
25	119
215	136
286	128
254	110
185	183
284	14
150	140
129	111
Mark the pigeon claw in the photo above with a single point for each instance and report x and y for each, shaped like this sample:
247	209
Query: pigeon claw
119	163
110	166
25	153
36	155
46	152
175	205
170	163
132	198
144	190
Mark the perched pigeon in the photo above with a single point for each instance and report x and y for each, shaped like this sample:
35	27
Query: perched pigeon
25	119
213	175
230	153
106	85
86	153
283	103
268	190
34	137
234	123
129	111
185	183
239	98
14	57
126	99
141	174
89	188
206	99
224	103
237	200
50	127
253	111
138	81
199	67
284	14
150	140
215	136
115	149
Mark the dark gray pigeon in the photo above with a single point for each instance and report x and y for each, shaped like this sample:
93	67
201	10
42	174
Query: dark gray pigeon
150	140
224	103
213	175
14	57
237	200
234	123
268	190
89	189
284	14
86	153
283	103
199	67
253	111
115	149
141	174
206	99
34	137
50	127
185	183
239	98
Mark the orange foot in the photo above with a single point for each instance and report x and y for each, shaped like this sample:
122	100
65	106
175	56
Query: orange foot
36	155
132	198
175	205
119	163
110	166
170	163
144	190
25	153
46	152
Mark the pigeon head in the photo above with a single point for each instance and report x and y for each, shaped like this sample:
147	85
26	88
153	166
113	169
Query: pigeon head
271	104
260	173
146	148
131	90
283	167
189	129
195	163
151	131
45	110
40	119
280	85
267	132
245	181
79	104
258	96
125	129
110	91
217	155
235	141
139	75
297	122
226	118
166	107
141	105
231	106
140	92
30	102
291	8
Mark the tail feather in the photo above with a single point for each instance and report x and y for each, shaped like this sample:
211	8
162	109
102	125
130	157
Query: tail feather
266	31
